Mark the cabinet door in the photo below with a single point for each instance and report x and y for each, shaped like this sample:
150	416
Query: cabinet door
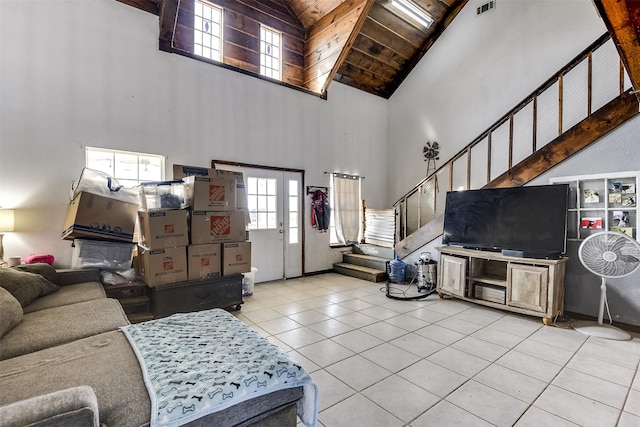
527	287
453	273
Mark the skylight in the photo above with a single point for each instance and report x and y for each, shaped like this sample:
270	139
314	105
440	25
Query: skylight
413	12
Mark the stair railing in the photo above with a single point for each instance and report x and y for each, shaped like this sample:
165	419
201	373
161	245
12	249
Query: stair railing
593	78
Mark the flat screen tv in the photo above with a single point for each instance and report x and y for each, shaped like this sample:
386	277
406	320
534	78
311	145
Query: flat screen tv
521	221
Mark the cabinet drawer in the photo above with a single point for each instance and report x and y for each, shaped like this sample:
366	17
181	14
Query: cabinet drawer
127	290
196	295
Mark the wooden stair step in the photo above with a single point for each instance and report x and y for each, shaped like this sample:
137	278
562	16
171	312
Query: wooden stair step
371	261
359	271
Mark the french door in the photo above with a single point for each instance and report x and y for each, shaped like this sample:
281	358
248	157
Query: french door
275	207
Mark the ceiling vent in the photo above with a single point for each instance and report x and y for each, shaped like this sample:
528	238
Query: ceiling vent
490	5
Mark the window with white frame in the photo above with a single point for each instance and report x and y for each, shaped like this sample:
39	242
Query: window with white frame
270	52
129	168
207	31
262	198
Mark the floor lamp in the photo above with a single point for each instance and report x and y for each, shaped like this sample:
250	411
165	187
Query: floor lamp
6	224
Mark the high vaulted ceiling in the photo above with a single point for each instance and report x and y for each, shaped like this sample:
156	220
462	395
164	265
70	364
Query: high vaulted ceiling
367	44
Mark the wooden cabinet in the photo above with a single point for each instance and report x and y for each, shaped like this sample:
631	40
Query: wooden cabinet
522	285
454	268
527	287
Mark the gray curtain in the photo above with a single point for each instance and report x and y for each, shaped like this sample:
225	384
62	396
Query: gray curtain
346	209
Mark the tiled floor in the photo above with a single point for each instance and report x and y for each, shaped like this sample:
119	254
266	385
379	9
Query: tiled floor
435	362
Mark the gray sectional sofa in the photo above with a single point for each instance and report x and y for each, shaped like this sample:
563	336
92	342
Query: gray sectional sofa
63	361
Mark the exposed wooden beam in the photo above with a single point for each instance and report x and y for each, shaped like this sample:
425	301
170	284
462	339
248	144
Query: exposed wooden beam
330	40
168	16
151	6
622	18
438	30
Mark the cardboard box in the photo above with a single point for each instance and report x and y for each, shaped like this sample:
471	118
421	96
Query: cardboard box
163	228
161	266
241	189
204	261
217	227
236	258
102	255
98	217
205	193
182	171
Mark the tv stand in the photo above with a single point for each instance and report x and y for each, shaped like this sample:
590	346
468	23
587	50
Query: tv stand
531	286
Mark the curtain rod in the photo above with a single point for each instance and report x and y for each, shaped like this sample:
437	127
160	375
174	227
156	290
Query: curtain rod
344	175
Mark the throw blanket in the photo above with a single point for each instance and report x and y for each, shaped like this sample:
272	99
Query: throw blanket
201	362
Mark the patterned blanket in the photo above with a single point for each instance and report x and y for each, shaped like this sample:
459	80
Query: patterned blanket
197	363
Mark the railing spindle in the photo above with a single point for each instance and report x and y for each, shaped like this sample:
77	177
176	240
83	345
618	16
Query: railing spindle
560	95
535	124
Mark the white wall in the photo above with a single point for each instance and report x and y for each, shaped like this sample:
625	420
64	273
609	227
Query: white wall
480	68
78	73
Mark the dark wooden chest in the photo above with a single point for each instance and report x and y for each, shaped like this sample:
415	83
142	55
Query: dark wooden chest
196	295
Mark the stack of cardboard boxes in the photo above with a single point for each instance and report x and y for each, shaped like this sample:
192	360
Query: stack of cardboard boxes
207	239
191	228
101	221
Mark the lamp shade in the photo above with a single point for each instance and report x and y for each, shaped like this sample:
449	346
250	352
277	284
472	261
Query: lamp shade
6	220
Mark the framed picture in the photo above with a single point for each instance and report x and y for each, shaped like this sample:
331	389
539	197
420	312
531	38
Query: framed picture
591	196
591	222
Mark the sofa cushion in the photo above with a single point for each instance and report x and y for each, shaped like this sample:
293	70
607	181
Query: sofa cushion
107	363
104	362
68	294
43	269
59	325
11	311
24	286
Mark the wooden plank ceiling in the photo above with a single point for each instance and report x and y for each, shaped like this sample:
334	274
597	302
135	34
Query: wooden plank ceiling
367	44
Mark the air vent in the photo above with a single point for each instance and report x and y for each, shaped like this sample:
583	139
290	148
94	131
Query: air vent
490	5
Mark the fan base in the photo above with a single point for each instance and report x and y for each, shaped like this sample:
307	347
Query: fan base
601	331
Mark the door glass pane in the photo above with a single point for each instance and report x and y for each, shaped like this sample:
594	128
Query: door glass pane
262	202
294	229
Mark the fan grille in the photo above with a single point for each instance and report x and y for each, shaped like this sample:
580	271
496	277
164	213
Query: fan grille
610	254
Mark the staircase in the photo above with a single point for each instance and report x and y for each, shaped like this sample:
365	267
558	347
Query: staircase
546	128
366	262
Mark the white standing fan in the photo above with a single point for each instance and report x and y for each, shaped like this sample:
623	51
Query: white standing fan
610	255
